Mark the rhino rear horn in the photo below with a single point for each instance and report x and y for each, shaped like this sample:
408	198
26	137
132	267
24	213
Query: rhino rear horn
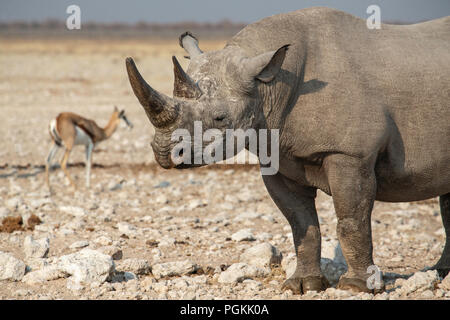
190	43
184	86
160	109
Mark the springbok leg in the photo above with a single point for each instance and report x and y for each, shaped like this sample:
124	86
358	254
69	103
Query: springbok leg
89	148
48	163
64	164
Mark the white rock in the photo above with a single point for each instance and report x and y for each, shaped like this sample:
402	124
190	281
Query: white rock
226	206
159	287
4	212
37	203
196	203
11	268
268	217
190	295
14	203
179	284
238	272
76	224
420	281
75	211
22	293
47	273
245	195
114	252
381	296
112	186
445	284
331	249
262	255
86	266
427	294
439	293
103	241
171	269
136	266
61	232
243	235
265	236
399	282
79	244
161	199
148	219
126	228
337	293
247	216
36	248
37	263
166	242
289	264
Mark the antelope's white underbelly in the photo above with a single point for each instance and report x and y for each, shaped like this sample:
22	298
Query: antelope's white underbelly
81	137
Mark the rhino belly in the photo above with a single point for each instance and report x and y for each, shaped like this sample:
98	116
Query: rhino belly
400	184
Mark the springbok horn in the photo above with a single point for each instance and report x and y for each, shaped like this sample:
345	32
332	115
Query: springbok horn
190	44
184	86
160	109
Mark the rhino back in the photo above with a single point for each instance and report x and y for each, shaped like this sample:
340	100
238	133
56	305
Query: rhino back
381	91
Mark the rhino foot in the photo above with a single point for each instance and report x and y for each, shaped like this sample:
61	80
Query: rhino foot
357	285
299	285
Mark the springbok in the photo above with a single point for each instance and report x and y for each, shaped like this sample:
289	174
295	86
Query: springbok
69	129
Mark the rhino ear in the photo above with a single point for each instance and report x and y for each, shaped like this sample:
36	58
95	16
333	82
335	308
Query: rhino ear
267	65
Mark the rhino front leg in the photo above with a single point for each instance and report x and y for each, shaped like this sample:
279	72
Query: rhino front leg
353	187
443	265
298	206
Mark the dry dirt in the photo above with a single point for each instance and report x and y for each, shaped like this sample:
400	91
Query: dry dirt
174	215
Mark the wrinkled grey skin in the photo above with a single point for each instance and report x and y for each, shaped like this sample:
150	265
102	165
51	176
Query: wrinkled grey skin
363	114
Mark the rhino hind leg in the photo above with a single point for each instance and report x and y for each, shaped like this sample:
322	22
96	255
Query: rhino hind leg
298	206
443	265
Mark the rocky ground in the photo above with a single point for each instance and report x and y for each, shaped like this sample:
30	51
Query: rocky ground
142	232
208	233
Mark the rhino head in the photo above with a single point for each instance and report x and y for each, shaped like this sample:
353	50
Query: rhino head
219	89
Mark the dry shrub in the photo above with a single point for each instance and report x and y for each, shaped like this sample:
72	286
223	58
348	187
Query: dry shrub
33	221
11	224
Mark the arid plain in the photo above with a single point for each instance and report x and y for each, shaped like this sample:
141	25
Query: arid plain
172	234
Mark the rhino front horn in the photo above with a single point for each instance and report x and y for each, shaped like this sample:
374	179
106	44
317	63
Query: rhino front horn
160	108
184	86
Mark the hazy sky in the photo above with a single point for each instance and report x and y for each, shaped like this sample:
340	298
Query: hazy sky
210	10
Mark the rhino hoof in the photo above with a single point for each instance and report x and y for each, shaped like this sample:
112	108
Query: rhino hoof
357	285
303	285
